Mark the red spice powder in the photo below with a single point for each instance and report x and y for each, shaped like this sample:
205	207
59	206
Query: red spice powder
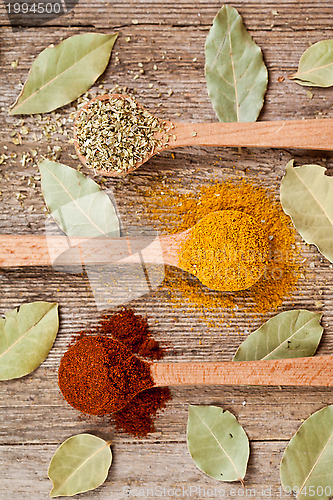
98	375
137	418
133	331
91	392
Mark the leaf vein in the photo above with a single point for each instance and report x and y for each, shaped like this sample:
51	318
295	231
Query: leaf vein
25	333
220	445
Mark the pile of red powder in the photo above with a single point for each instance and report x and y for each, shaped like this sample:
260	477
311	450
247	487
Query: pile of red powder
137	417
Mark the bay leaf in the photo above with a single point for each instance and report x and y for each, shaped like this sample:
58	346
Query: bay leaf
77	203
236	74
316	65
80	464
307	197
27	334
306	465
217	443
63	72
290	334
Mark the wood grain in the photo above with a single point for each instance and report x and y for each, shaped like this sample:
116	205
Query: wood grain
312	371
300	134
171	35
133	472
49	250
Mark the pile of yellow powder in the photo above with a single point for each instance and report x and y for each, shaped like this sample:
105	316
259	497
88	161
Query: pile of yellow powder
173	212
227	250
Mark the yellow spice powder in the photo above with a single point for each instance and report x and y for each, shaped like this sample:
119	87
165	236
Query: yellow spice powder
173	211
227	250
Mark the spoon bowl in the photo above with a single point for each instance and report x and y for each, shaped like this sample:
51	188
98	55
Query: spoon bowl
160	137
297	134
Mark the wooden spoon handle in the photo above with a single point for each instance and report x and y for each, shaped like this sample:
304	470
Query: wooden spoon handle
311	371
298	134
27	250
40	250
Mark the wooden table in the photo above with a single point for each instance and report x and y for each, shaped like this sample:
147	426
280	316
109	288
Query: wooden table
171	35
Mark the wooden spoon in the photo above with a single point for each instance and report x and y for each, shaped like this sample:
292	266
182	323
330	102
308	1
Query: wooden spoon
296	134
309	371
239	271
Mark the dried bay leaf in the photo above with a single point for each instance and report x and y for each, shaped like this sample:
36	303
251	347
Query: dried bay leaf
307	197
76	202
80	464
306	465
27	334
236	74
217	443
316	66
63	72
290	334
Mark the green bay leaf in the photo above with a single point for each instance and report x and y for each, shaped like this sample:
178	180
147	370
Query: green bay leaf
27	334
307	197
290	334
307	463
217	443
236	74
316	65
80	464
77	203
63	72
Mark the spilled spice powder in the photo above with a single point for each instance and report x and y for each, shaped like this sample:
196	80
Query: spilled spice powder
173	211
137	418
133	331
95	366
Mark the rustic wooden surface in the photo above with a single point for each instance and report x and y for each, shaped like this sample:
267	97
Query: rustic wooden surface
171	34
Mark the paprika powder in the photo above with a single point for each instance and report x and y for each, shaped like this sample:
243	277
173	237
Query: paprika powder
98	374
90	363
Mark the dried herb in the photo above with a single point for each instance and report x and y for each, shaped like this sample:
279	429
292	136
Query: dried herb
306	467
217	443
307	196
117	133
63	72
316	66
80	464
290	334
236	74
77	203
26	337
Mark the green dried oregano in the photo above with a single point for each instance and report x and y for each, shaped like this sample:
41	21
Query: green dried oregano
116	134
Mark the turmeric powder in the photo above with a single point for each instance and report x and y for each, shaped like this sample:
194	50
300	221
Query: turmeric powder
173	211
227	250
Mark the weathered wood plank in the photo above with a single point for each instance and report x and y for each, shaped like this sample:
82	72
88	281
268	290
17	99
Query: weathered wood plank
176	71
258	14
38	414
78	310
143	471
35	418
